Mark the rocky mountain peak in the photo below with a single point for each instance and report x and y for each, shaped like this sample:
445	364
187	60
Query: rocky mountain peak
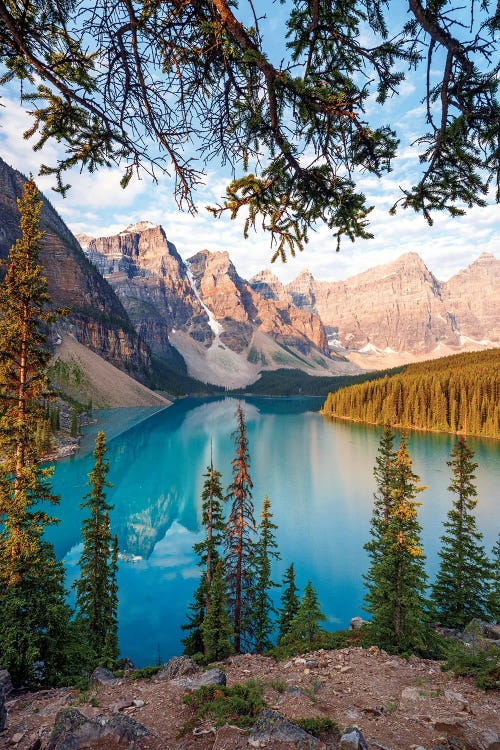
267	284
301	290
140	226
473	295
84	240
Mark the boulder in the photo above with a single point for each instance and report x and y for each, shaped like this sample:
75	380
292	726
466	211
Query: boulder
127	664
178	666
352	739
272	727
357	623
5	682
488	629
102	676
210	677
124	729
73	730
70	728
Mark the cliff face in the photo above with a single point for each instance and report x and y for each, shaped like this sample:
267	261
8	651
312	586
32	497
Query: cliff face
398	306
474	297
151	280
241	307
98	319
204	307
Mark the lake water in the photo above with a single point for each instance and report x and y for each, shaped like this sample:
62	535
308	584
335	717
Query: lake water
317	473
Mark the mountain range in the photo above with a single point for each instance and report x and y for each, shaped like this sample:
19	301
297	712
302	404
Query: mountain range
227	329
137	304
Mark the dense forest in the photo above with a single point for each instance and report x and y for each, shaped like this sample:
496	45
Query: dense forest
287	382
459	394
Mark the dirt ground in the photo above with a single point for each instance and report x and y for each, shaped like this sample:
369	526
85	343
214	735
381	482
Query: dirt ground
397	704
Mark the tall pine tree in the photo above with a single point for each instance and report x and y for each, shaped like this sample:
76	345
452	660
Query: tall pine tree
397	578
460	591
289	603
96	595
240	540
33	614
266	550
208	553
384	472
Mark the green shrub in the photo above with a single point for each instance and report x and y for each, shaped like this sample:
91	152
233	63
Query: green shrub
326	640
137	674
238	704
278	685
317	725
482	664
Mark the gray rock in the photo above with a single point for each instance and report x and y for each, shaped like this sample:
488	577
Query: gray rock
272	727
488	629
295	691
102	676
70	727
352	739
357	623
72	730
210	677
3	710
489	740
178	666
124	728
5	682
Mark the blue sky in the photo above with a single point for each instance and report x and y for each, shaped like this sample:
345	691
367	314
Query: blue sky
97	205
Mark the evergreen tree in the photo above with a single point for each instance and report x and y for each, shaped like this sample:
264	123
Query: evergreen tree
289	603
305	625
96	595
216	629
266	550
377	546
208	552
240	544
193	642
460	591
494	596
213	520
397	578
111	649
33	614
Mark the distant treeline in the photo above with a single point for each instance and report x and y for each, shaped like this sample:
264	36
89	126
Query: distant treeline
458	394
285	382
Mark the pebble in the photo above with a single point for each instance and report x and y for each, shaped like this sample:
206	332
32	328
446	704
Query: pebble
16	738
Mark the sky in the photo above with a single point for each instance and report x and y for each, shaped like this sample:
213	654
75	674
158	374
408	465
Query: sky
97	205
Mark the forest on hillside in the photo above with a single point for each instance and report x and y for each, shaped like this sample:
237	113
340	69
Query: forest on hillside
459	394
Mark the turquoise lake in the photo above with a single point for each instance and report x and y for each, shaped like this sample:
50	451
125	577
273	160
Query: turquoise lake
317	474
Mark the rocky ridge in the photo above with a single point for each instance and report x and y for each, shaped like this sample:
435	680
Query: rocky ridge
225	331
150	278
474	297
402	308
376	700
